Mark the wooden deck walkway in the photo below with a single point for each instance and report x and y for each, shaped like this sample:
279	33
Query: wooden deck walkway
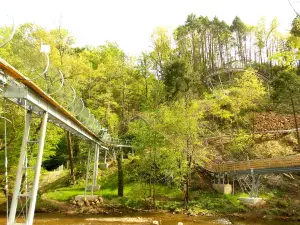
270	164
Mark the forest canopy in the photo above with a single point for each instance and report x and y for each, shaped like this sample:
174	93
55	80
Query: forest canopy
207	80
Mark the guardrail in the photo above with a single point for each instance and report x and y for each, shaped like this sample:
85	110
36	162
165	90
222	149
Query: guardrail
276	162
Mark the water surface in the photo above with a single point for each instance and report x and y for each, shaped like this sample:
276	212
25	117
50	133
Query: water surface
141	219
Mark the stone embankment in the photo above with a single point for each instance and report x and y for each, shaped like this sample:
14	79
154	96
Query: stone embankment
86	202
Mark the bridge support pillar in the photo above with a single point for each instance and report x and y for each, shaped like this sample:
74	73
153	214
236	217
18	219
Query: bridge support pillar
37	171
233	185
221	187
95	186
17	187
254	186
31	195
87	172
122	154
105	156
114	154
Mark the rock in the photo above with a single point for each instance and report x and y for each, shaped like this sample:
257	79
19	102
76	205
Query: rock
93	203
80	203
155	222
87	203
224	221
180	223
101	200
73	202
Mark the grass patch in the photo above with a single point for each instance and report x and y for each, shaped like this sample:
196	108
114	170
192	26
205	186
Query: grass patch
63	194
136	195
216	202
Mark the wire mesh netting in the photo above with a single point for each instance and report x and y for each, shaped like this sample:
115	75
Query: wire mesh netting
47	76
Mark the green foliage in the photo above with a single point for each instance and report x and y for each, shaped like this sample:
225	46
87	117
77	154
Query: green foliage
282	204
285	84
248	92
64	194
175	78
207	201
296	27
240	144
161	100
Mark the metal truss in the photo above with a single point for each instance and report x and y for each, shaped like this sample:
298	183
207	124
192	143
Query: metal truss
268	170
52	104
38	105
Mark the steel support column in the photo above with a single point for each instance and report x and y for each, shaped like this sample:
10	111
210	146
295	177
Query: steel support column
114	153
233	185
14	203
97	164
122	156
87	172
95	170
252	186
37	171
255	186
105	155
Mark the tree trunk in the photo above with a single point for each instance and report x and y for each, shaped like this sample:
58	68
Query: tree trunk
296	123
120	175
70	152
186	191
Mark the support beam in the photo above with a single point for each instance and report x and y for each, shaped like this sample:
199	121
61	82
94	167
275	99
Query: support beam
14	203
257	185
114	153
122	153
97	164
253	186
95	170
232	185
87	172
57	114
37	172
105	155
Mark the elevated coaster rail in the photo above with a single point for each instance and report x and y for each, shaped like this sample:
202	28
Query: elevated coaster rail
258	166
38	101
73	117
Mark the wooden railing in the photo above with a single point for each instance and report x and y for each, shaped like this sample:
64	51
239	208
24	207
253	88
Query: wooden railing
276	162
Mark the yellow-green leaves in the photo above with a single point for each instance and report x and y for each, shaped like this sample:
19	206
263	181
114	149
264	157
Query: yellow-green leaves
248	91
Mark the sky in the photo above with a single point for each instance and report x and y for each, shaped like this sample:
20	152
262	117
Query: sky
131	22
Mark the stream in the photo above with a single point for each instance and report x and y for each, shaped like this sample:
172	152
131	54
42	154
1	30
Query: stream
141	218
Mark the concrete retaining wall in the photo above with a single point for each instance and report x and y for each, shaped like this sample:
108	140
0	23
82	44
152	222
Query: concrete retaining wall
223	188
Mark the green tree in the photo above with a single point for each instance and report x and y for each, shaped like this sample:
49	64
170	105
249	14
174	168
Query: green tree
286	87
